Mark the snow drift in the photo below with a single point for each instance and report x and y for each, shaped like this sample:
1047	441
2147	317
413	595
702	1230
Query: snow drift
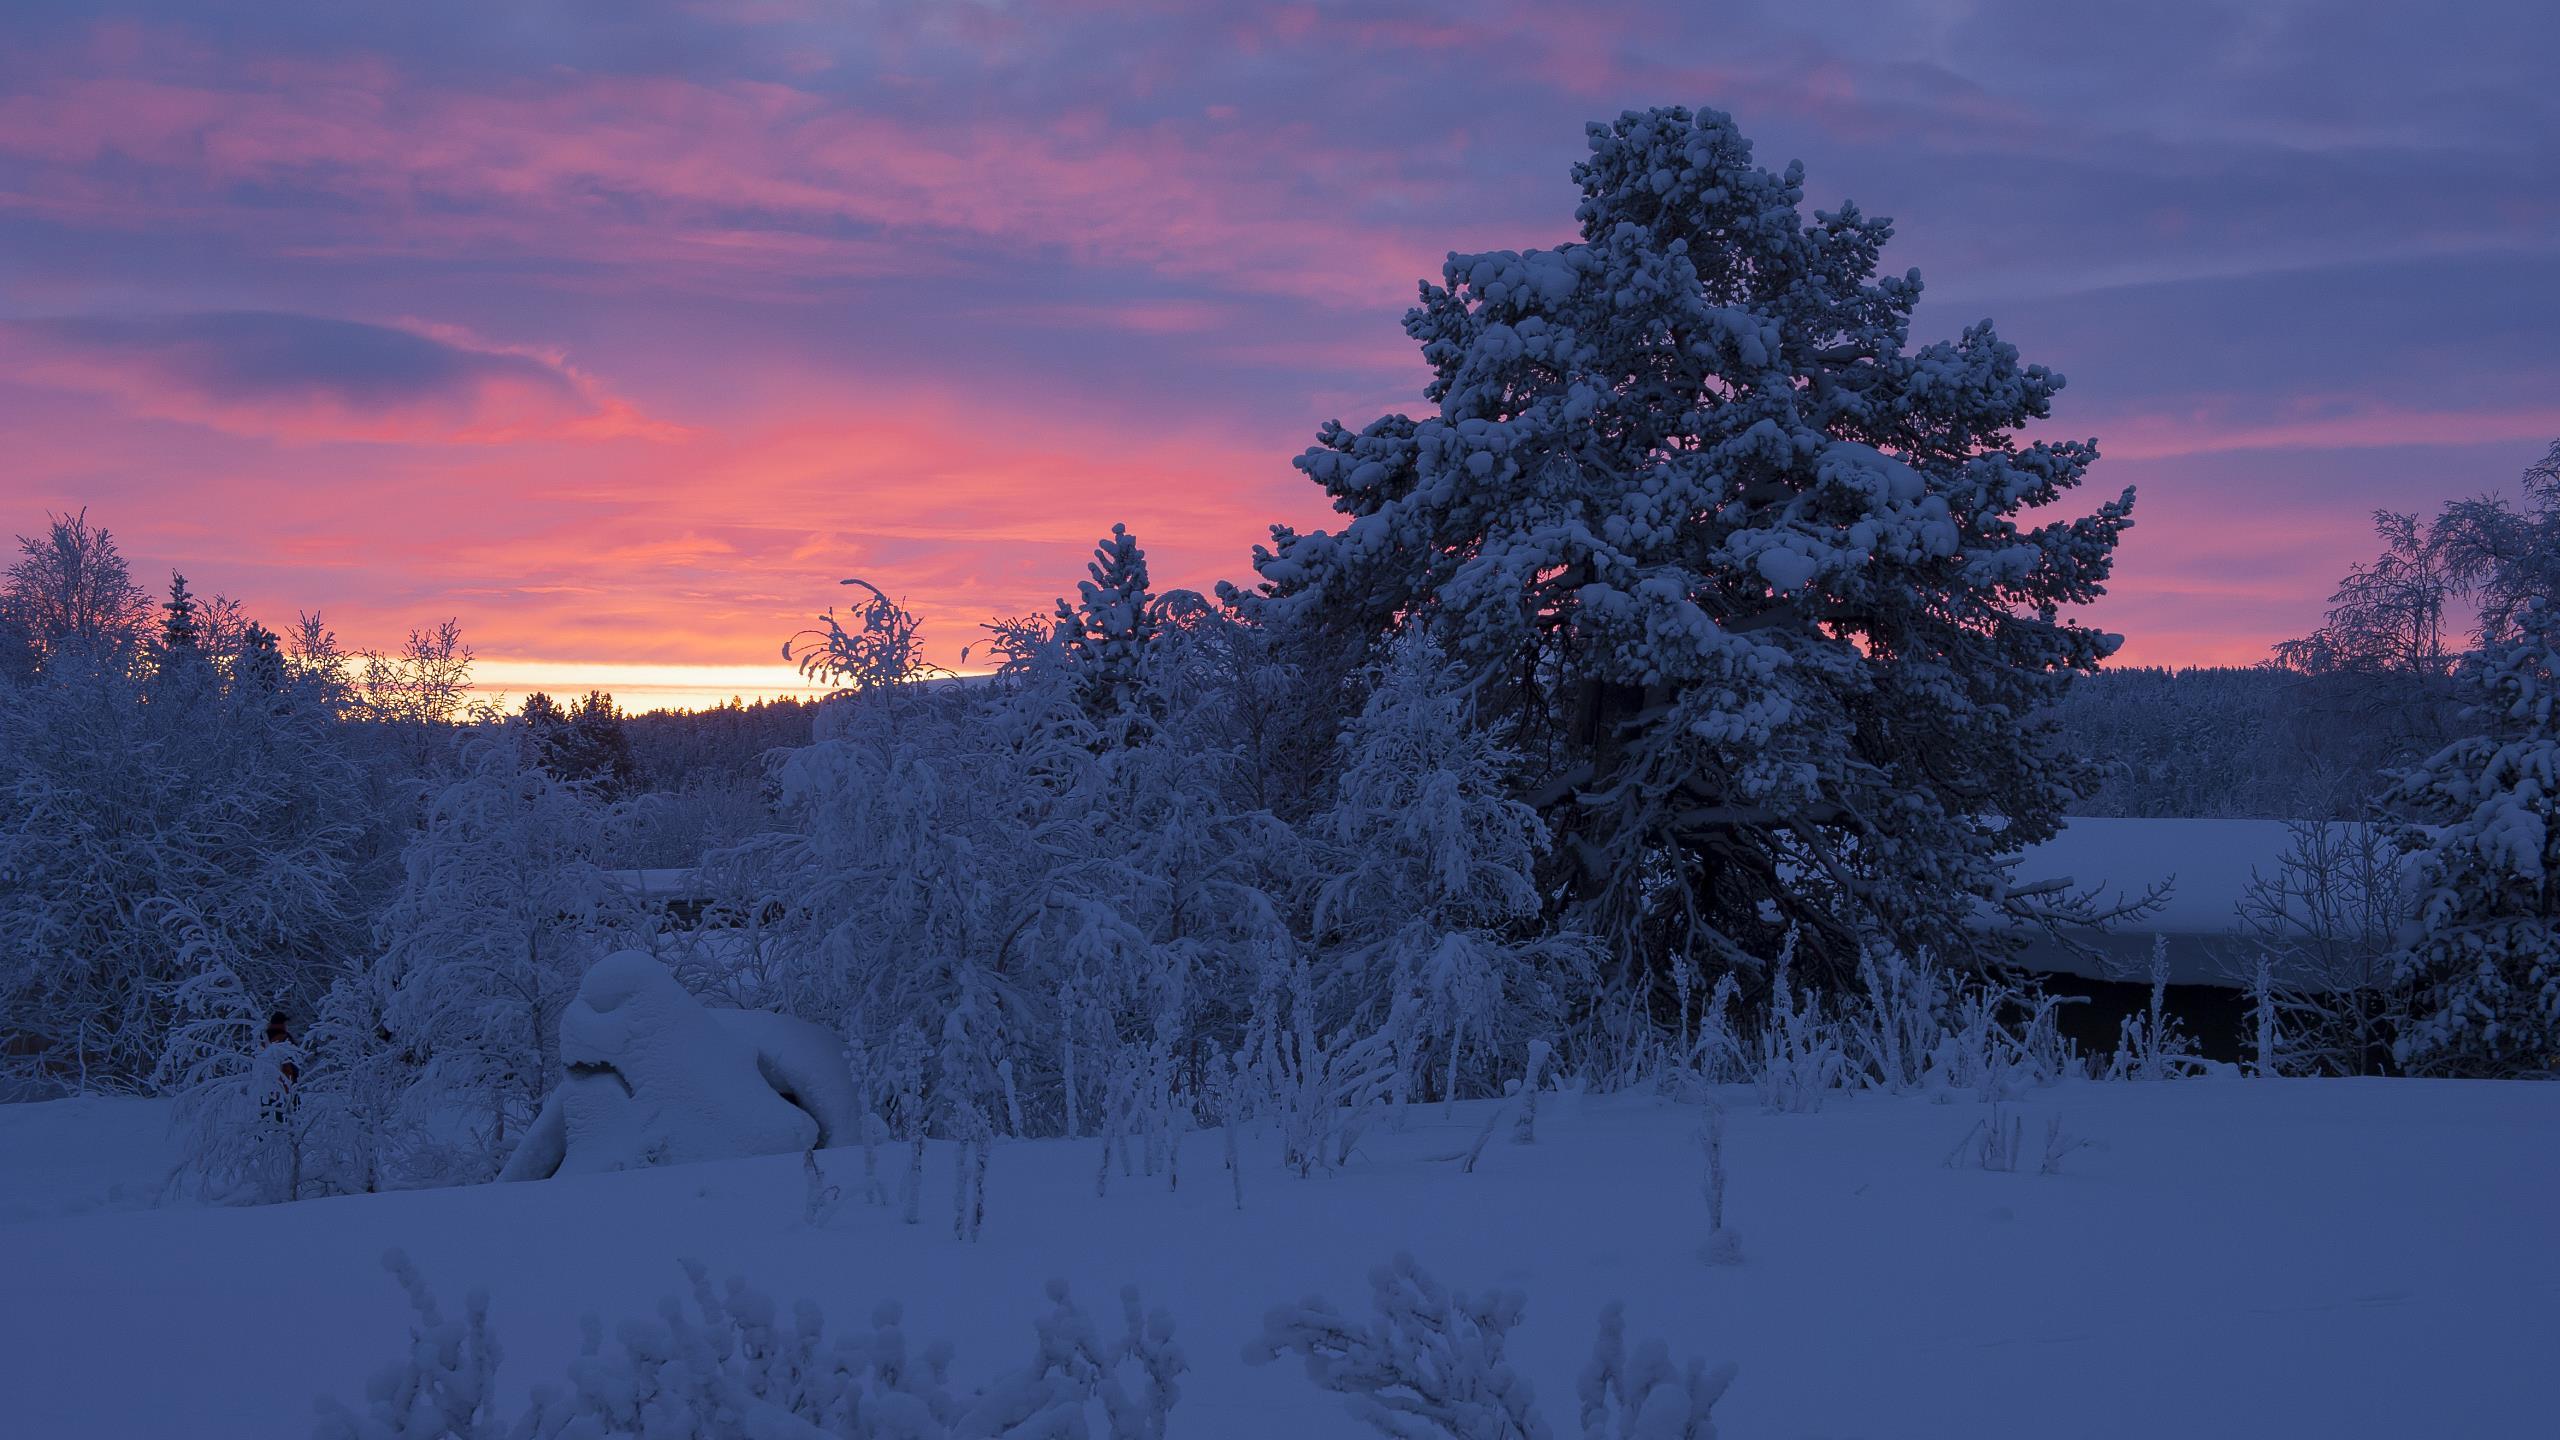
655	1078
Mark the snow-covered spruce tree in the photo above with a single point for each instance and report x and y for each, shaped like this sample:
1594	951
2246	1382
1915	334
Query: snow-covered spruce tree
1110	631
1760	584
2482	975
178	628
503	908
585	742
1429	894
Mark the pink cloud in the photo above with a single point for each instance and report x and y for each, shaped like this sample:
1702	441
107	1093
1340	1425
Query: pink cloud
2346	424
652	170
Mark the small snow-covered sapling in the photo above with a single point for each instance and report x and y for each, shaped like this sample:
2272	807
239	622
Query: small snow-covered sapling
1994	1143
1723	1247
2057	1145
820	1204
1524	1121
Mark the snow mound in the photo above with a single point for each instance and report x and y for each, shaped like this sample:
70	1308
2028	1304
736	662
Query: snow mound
804	1063
656	1078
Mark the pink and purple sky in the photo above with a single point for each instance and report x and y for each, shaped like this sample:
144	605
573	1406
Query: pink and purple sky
623	330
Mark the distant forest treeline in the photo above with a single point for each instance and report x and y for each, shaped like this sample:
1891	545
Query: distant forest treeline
2220	742
2249	742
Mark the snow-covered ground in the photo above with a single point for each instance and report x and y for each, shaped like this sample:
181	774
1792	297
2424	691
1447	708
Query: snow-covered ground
2334	1258
61	1157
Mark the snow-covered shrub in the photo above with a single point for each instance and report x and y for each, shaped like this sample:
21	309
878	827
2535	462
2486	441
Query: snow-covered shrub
1323	1089
1618	1045
163	806
443	1388
2153	1045
360	1070
1430	892
1643	1396
1070	911
1231	1099
819	1198
2269	1045
1802	1053
1712	1049
2001	1042
1429	1365
653	1077
733	1369
502	910
248	1132
1896	1023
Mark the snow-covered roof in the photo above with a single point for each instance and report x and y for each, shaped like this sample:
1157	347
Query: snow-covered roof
666	882
2206	867
2207	864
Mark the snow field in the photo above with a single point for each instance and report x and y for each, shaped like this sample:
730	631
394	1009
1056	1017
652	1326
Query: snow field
2341	1258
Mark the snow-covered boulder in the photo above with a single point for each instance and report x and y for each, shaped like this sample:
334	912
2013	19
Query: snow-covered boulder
657	1078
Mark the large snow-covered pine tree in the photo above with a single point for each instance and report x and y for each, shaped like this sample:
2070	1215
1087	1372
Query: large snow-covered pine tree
1759	581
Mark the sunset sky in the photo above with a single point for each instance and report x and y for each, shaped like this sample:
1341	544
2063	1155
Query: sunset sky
621	331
